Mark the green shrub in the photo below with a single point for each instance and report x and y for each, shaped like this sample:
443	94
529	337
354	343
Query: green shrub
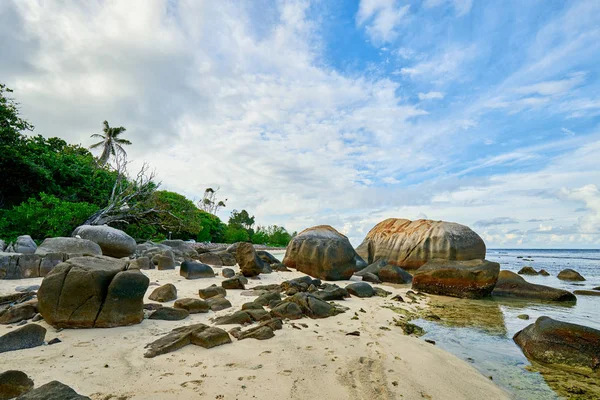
45	217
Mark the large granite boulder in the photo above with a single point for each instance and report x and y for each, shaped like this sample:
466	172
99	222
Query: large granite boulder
25	337
2	245
466	279
92	291
324	253
113	242
510	284
69	245
211	258
410	244
53	391
561	344
249	262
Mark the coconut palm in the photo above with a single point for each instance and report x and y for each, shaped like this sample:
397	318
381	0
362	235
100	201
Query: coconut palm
111	143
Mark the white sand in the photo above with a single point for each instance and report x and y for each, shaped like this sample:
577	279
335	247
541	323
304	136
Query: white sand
315	362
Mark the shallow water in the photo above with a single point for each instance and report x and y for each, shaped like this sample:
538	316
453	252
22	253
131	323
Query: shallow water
481	331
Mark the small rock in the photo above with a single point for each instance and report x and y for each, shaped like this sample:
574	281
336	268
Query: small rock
430	341
570	275
523	316
54	341
164	293
217	303
30	335
170	314
353	333
527	270
195	270
360	289
233	283
543	272
193	306
228	273
369	277
212	291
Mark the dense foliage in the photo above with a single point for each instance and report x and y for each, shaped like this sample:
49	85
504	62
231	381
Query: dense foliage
178	216
47	216
49	187
240	229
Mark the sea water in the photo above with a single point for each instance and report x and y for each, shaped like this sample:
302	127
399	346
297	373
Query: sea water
481	331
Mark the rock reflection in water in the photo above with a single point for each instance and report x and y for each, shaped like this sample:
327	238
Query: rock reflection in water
464	313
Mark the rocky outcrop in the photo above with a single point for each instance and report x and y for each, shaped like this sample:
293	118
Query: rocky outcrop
249	262
570	275
14	383
92	291
561	344
70	246
53	391
197	334
324	253
510	284
113	242
410	244
195	270
25	337
466	279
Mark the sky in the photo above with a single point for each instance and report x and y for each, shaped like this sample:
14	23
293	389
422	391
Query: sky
485	113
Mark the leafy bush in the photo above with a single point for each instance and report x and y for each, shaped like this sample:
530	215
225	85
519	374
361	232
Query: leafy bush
45	217
233	234
272	235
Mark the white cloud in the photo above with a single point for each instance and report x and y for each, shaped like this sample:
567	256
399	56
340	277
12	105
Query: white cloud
556	87
380	19
442	67
462	7
431	96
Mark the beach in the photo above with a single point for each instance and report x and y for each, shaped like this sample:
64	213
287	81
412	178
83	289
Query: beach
308	358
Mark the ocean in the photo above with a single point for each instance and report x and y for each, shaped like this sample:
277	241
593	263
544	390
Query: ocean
481	331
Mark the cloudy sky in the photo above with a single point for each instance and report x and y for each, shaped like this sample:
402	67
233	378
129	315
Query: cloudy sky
485	113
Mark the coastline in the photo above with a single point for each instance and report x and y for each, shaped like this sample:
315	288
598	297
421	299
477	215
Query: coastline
316	360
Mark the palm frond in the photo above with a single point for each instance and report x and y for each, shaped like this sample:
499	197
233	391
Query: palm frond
122	141
96	145
97	135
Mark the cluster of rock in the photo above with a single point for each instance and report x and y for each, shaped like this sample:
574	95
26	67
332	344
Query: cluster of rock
34	262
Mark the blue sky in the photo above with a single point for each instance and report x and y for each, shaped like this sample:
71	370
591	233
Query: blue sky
339	112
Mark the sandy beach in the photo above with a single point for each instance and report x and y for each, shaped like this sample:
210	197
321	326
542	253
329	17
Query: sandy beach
306	359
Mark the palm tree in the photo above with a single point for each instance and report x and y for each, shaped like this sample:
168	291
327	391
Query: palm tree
110	143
